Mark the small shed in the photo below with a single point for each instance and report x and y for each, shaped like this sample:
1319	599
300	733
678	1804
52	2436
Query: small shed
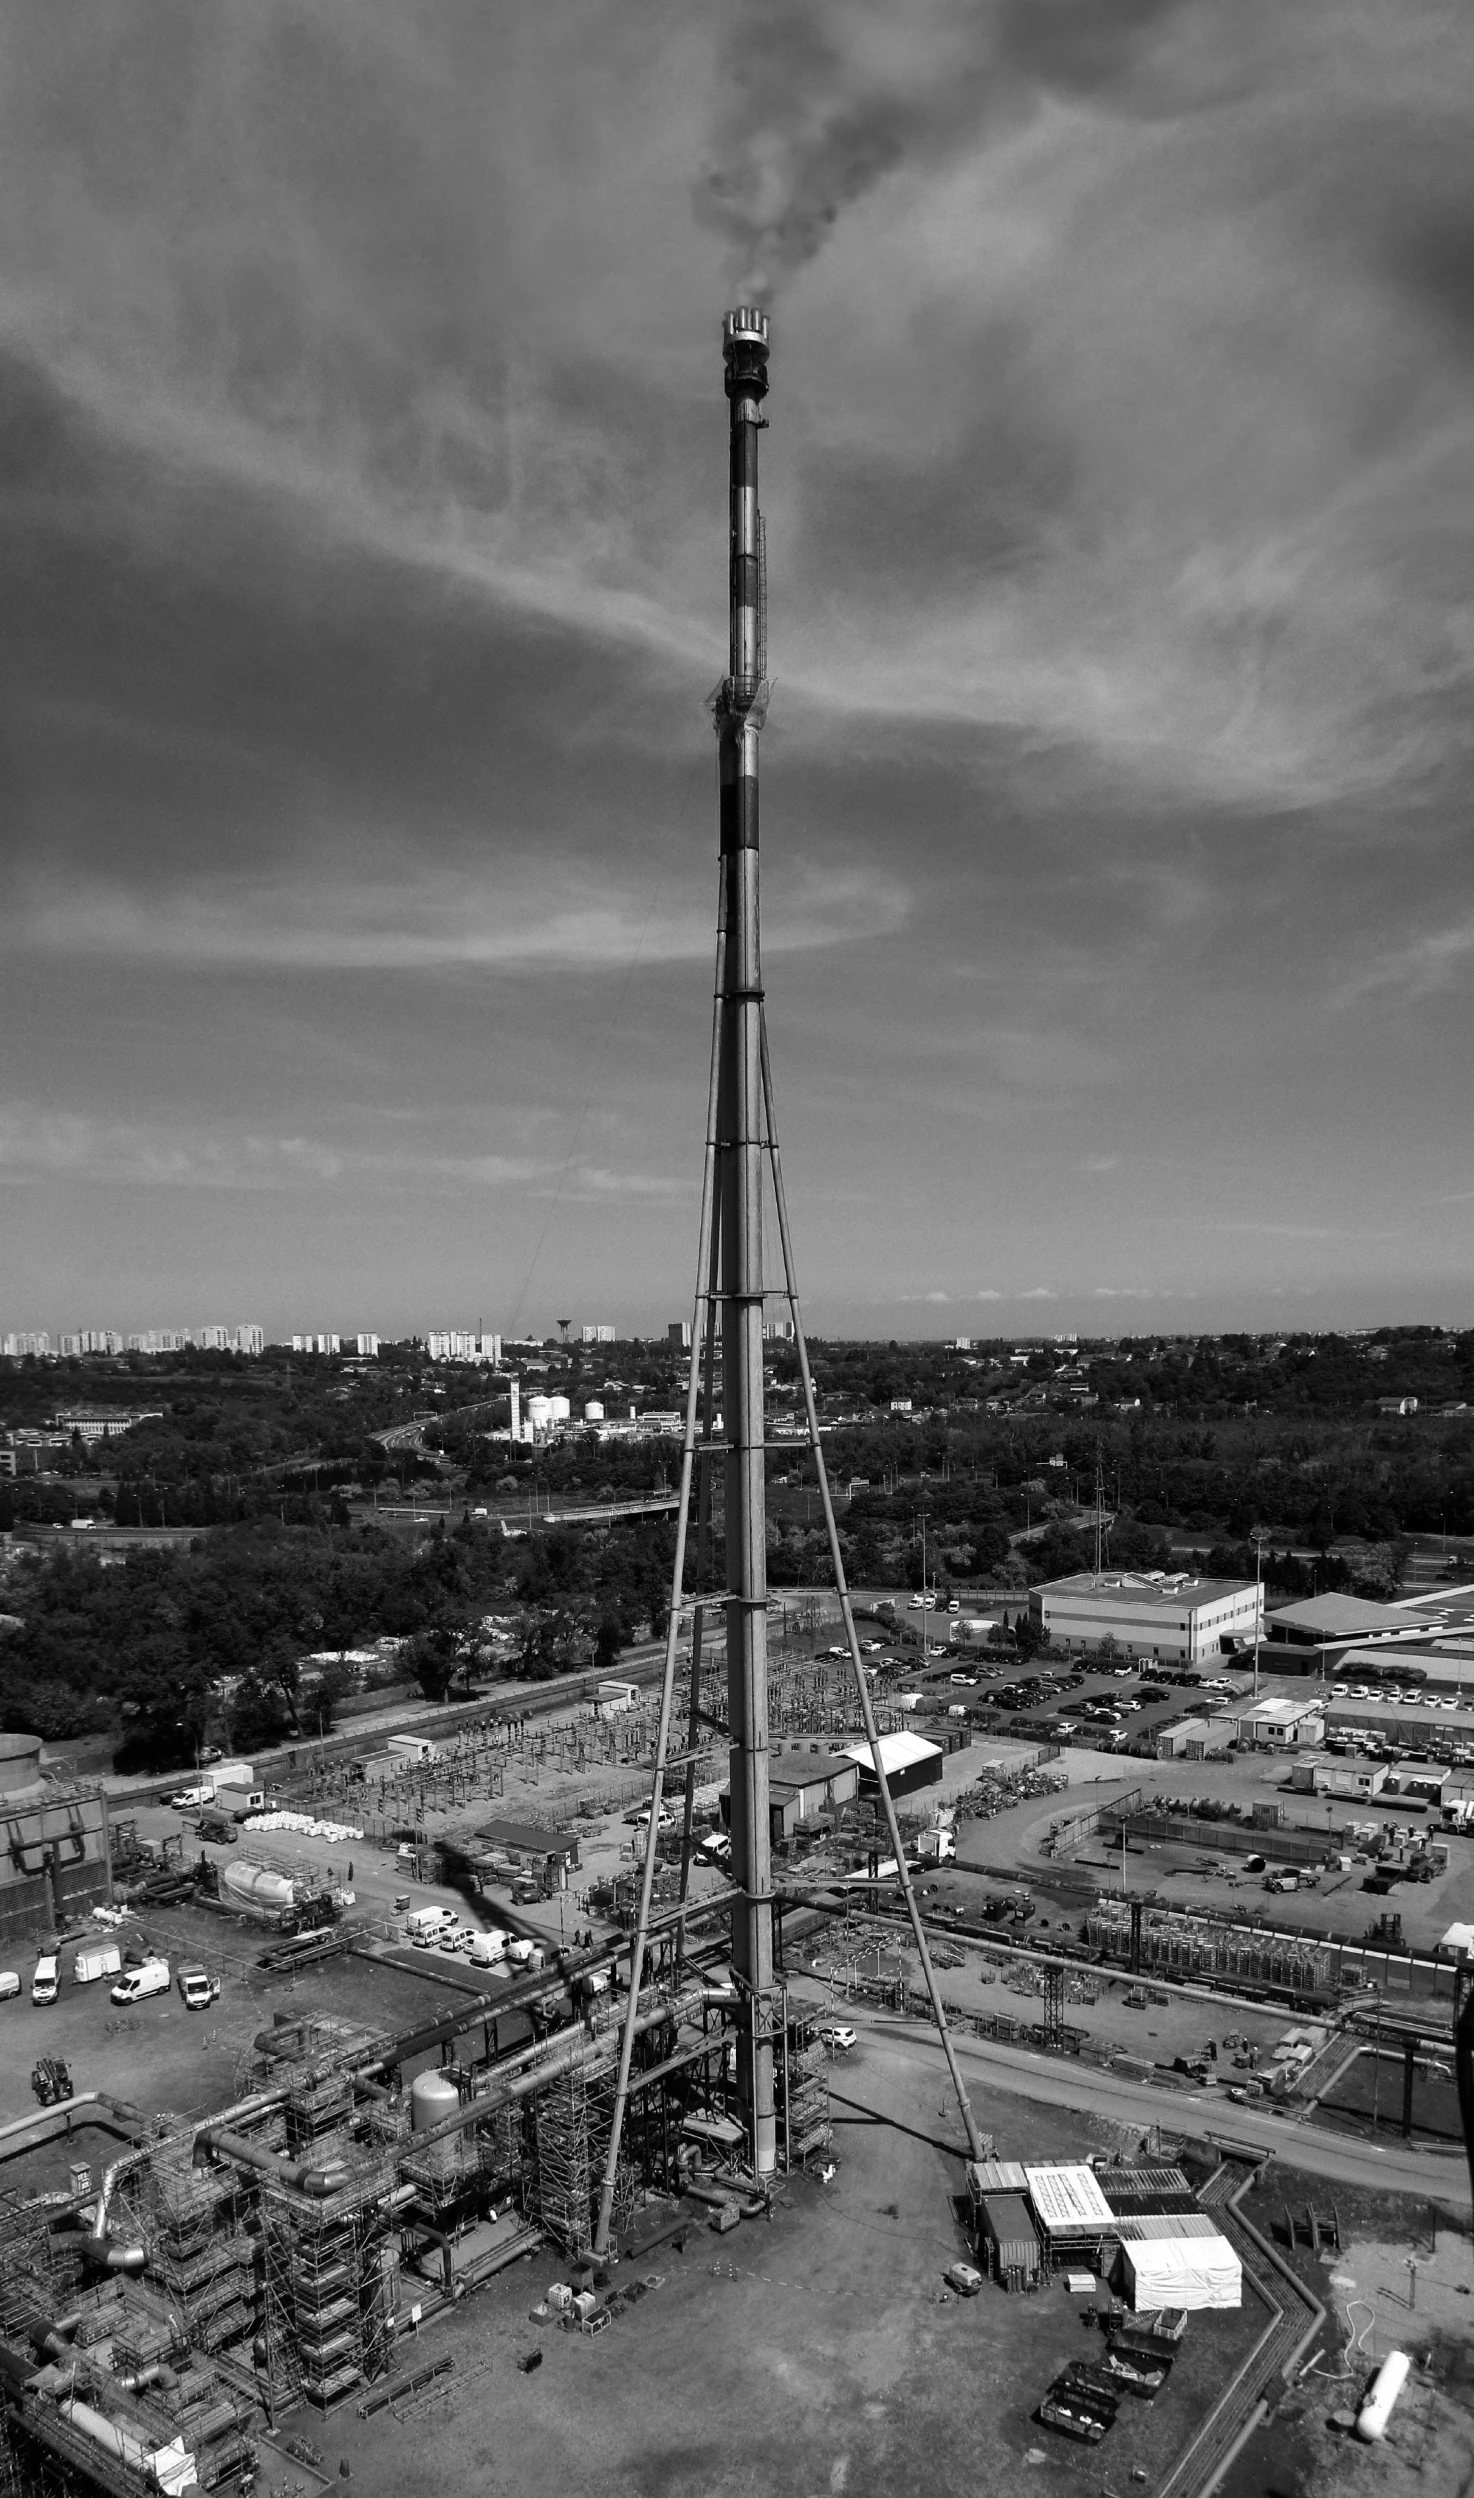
909	1762
1007	2240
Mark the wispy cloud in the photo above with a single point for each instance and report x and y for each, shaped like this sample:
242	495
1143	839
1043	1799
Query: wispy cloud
1420	968
39	1145
522	920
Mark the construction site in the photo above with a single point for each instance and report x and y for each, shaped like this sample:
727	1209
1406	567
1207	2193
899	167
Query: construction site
682	2155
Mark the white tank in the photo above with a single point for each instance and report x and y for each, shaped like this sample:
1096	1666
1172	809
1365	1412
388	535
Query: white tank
593	1411
256	1888
431	2100
558	1409
1387	2384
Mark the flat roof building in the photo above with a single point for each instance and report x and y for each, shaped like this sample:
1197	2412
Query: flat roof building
1410	1725
1280	1724
1147	1613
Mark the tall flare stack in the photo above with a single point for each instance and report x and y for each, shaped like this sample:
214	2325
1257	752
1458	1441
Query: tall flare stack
739	707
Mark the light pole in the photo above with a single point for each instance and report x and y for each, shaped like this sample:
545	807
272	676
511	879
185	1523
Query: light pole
1258	1537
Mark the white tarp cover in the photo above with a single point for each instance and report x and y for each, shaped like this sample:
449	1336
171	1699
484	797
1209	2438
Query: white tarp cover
1182	2272
1068	2198
1165	2225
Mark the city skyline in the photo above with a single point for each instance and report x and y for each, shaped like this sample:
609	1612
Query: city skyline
367	507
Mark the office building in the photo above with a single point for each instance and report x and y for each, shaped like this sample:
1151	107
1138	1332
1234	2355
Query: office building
678	1333
317	1344
596	1335
1175	1617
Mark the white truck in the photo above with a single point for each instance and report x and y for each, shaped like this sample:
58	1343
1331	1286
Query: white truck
96	1960
426	1925
46	1980
151	1977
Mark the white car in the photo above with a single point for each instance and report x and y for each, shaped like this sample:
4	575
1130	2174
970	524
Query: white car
9	1985
838	2037
913	1604
188	1797
1340	1691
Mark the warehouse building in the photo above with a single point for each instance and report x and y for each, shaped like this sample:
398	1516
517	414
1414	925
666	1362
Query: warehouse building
1443	1671
804	1783
1173	1617
1409	1726
1314	1636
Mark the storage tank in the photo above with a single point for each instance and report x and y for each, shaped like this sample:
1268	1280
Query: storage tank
1387	2384
593	1410
432	2098
559	1409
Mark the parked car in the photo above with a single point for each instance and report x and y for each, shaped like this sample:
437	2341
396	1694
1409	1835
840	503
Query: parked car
46	1980
9	1984
838	2037
198	1988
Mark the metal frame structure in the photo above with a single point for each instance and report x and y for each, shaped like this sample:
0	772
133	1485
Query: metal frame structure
740	1136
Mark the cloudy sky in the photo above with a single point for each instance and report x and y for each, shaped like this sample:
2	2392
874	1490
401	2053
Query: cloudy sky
363	482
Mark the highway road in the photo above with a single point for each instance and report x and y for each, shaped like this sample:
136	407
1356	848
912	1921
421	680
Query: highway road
1342	2159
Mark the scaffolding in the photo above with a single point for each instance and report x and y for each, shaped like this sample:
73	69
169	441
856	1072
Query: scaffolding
803	2088
330	2291
1173	1942
571	2123
130	2411
200	2254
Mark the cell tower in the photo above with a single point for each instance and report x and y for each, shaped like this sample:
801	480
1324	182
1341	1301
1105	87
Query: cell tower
740	1132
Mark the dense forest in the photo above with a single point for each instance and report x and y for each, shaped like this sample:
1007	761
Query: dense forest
981	1464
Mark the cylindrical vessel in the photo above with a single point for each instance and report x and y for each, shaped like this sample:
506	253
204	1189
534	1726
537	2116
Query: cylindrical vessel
432	2098
739	1179
593	1411
1386	2385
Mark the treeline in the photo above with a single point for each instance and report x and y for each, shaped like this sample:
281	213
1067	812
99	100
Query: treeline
143	1647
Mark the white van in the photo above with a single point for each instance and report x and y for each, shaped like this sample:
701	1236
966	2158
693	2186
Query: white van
9	1985
46	1980
488	1947
152	1978
424	1925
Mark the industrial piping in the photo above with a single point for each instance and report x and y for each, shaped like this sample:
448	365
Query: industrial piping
115	2116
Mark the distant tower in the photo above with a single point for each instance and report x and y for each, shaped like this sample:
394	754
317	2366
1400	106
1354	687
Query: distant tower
563	1326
